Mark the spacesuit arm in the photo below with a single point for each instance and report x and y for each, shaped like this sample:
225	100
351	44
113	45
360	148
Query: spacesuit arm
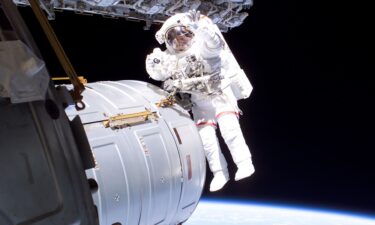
157	65
189	83
241	85
239	82
211	41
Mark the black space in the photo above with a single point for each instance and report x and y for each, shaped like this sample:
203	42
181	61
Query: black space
310	119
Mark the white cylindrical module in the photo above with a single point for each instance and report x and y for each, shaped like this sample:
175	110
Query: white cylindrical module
150	165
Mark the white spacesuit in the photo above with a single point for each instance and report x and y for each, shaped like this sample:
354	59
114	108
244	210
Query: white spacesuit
197	61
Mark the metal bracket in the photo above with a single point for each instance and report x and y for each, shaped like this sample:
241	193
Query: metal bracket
124	120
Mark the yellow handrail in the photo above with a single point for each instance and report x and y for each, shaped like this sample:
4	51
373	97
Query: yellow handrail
78	87
82	79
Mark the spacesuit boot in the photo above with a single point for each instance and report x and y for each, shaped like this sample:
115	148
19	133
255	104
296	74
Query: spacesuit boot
219	180
245	169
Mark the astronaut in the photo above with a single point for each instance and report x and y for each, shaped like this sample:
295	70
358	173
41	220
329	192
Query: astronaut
197	61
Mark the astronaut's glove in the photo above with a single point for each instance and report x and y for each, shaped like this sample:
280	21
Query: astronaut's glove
194	16
169	85
209	36
215	77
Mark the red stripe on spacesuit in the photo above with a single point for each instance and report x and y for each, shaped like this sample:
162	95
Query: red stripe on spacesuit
226	113
206	123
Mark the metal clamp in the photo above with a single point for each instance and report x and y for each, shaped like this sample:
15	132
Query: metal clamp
124	120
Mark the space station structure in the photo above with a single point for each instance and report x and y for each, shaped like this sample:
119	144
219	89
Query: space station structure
122	160
149	161
226	14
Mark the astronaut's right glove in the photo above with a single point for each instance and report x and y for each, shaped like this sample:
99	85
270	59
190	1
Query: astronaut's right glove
194	17
210	37
169	85
204	29
179	84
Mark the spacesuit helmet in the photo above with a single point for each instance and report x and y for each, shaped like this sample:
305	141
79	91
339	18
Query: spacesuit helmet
179	38
176	33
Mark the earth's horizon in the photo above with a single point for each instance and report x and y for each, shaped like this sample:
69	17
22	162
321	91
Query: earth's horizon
232	212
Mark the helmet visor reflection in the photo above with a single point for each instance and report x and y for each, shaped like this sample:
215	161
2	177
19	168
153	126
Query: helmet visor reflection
179	38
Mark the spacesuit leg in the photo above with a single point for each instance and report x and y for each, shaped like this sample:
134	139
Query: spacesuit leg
214	156
231	132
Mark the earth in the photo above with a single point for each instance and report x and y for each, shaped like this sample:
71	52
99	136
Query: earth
209	212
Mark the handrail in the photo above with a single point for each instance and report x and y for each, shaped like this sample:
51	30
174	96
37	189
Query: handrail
78	87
